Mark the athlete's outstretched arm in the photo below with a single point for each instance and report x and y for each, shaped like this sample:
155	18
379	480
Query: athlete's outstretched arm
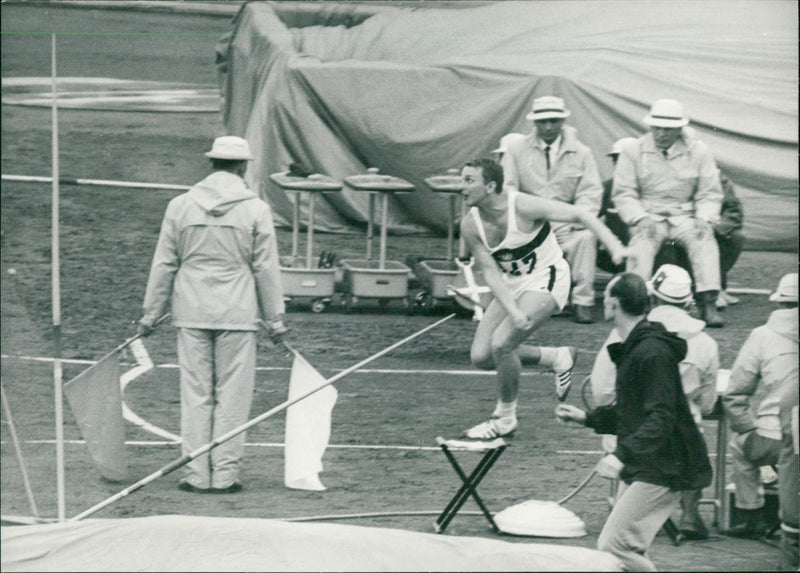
531	207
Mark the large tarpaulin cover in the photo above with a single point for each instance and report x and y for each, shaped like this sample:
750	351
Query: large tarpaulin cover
189	543
416	91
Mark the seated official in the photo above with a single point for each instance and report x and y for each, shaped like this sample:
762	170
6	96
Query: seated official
666	186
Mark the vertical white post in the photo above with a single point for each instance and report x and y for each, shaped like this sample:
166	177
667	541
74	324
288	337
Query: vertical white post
56	297
310	230
296	225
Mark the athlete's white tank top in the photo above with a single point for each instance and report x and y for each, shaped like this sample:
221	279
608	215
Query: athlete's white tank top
519	254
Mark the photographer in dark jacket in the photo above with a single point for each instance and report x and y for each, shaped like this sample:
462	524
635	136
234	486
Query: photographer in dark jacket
660	452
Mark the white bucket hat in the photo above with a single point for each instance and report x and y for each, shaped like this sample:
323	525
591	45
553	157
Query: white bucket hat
671	283
548	107
230	147
787	289
506	140
666	113
616	149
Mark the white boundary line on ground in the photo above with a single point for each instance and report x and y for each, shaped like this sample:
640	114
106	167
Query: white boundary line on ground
286	368
162	443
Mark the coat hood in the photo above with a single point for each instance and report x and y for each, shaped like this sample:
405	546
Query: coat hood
677	320
219	192
784	321
647	330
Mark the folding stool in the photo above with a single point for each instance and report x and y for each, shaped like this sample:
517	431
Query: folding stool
491	451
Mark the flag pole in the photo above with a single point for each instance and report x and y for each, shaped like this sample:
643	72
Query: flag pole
172	466
56	298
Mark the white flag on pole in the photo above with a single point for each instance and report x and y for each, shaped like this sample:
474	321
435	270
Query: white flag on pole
308	427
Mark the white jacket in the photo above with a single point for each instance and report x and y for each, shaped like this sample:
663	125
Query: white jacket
766	361
685	184
216	259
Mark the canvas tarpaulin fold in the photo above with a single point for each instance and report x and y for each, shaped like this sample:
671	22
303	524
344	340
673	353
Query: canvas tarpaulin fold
416	91
196	543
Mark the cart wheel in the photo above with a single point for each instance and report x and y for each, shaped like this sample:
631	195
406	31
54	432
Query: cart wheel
319	304
408	303
423	301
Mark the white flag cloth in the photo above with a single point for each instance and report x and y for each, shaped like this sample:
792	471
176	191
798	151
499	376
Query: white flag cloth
308	427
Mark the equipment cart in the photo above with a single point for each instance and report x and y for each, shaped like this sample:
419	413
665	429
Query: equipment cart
366	278
300	278
436	275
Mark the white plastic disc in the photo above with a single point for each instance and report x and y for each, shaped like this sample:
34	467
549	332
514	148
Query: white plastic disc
537	518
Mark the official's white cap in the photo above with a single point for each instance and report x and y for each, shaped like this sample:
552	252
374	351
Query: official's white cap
616	149
666	113
671	283
548	107
506	140
230	147
787	289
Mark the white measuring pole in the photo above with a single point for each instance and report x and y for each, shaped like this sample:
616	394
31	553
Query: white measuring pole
56	301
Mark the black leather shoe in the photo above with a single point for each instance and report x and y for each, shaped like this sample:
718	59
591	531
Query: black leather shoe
233	488
751	529
186	486
695	533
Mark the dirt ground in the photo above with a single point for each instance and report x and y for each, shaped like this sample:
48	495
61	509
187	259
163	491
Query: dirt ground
383	456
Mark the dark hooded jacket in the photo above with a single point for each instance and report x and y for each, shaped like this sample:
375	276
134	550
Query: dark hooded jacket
657	439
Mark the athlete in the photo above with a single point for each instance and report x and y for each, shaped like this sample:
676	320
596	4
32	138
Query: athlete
508	234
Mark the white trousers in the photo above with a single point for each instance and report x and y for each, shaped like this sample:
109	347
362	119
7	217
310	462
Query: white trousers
703	251
751	451
639	513
217	379
580	250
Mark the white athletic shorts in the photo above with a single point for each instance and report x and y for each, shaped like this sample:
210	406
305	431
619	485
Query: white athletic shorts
554	280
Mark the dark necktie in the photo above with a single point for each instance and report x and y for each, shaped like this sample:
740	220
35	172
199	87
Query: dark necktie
547	156
665	153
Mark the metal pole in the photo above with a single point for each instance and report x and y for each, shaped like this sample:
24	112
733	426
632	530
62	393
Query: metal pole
56	301
247	425
450	224
462	246
370	224
384	222
18	452
96	182
310	231
295	225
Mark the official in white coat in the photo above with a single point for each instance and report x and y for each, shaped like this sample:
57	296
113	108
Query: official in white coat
216	265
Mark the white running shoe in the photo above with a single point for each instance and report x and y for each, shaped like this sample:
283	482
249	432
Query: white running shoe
494	428
563	365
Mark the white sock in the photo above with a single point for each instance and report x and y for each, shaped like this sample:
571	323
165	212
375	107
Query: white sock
505	409
548	355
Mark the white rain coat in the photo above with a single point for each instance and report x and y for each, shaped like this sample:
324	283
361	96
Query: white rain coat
216	260
573	177
766	361
684	185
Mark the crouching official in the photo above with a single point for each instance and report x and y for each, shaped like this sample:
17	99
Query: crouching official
660	452
216	264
